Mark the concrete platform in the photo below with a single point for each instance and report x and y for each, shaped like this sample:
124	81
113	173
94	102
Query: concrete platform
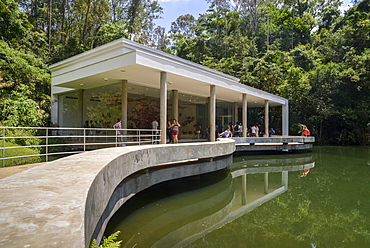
61	203
276	143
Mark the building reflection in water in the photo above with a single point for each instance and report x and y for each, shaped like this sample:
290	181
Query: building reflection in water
182	215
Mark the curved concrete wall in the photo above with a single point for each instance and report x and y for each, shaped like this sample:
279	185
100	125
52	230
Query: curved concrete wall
60	203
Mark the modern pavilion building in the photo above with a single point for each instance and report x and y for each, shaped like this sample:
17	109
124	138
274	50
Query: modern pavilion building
127	80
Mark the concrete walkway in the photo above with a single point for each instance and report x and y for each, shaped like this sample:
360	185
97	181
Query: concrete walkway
8	171
60	203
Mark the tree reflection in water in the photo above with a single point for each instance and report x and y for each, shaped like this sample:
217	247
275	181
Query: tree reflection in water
261	202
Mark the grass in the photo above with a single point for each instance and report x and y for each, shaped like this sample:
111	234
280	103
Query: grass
19	152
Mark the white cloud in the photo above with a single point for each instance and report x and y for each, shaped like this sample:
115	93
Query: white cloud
346	5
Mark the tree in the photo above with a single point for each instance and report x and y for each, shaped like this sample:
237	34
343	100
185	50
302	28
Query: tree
24	88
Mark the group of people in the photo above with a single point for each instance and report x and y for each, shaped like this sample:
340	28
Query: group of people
172	130
236	130
232	130
91	124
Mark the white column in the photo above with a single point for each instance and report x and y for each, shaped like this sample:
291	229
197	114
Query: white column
244	189
212	113
266	190
284	178
80	107
124	104
175	104
55	109
236	110
245	114
266	118
285	119
163	107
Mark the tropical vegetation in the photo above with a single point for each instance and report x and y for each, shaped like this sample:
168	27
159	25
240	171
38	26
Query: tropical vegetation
307	51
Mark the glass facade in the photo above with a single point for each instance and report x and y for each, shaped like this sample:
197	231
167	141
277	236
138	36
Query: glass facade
102	106
68	110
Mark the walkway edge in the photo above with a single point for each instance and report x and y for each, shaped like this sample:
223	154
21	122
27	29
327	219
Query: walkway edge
58	204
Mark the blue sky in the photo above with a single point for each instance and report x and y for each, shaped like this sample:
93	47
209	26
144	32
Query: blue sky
174	8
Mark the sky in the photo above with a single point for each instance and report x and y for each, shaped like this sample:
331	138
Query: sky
174	8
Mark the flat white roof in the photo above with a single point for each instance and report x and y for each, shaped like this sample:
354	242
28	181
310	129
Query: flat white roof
126	60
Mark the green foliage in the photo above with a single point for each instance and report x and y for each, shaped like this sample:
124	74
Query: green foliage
306	51
24	88
109	242
274	47
14	152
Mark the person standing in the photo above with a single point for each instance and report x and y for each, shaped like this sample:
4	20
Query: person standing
175	131
155	130
197	130
240	129
169	132
155	124
118	126
254	131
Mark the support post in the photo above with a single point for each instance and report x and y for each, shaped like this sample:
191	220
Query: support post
266	118
80	107
212	113
55	109
244	189
284	178
124	104
266	191
236	110
163	107
245	114
285	119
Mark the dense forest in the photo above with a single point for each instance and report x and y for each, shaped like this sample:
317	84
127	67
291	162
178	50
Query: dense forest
304	50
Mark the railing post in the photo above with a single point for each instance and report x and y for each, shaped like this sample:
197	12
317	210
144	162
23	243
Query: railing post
3	145
47	144
138	133
84	139
116	138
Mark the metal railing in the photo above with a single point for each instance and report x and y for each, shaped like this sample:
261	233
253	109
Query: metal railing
48	143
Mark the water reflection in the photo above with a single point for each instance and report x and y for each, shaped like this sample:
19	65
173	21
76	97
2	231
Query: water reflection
177	213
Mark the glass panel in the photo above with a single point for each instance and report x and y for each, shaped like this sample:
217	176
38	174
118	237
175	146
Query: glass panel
68	107
143	106
224	115
103	105
193	116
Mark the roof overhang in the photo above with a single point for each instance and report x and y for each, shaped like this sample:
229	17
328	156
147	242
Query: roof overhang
126	60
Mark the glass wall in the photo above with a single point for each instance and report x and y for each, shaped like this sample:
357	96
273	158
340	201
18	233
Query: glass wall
102	106
143	106
193	114
224	115
68	108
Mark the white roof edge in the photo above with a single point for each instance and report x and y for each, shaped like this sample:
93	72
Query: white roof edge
131	45
149	50
261	92
141	48
86	54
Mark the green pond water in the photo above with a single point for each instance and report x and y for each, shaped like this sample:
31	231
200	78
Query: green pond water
314	199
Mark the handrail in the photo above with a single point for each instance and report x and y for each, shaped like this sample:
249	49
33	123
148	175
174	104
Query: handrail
70	140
